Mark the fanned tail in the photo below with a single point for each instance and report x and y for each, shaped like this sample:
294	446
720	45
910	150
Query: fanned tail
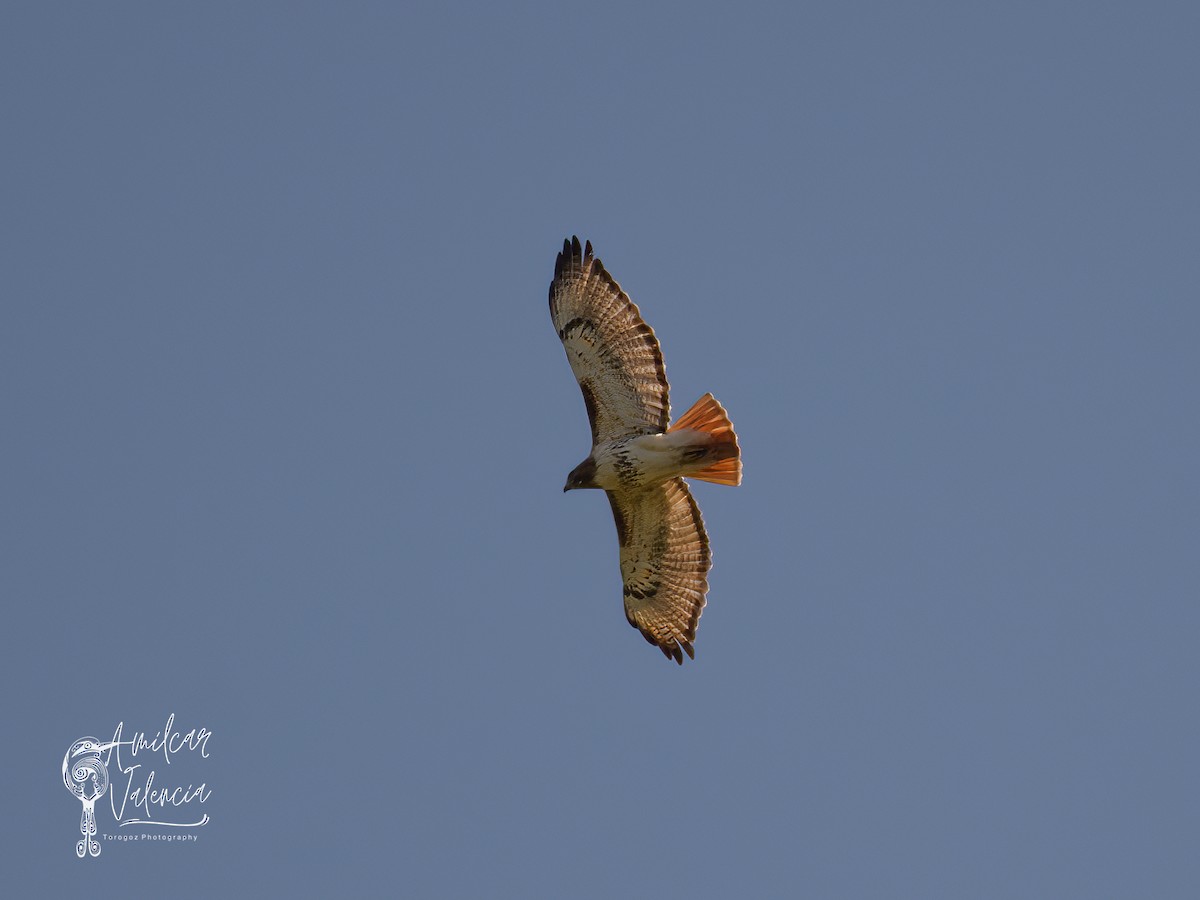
707	416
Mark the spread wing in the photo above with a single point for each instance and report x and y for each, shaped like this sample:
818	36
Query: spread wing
664	562
613	353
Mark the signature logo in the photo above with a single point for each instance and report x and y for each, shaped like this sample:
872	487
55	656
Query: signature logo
87	778
88	762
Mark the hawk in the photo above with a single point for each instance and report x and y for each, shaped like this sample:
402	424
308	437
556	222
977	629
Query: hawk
637	458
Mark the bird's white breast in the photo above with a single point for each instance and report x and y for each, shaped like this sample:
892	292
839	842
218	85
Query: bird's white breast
643	459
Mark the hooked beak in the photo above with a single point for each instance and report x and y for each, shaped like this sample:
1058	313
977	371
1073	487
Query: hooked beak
566	487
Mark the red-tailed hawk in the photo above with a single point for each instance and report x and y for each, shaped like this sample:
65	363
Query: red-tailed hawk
637	458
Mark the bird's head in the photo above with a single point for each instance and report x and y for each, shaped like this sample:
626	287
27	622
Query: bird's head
582	476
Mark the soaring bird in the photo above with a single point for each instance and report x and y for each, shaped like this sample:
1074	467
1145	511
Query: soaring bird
637	458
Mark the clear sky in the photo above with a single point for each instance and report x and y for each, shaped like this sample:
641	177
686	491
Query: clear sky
284	429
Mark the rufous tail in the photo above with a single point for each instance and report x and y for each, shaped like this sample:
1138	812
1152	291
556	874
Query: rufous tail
709	417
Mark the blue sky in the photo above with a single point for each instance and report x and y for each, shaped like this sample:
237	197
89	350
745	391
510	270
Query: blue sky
286	426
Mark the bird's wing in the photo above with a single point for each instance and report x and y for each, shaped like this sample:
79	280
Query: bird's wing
664	563
613	353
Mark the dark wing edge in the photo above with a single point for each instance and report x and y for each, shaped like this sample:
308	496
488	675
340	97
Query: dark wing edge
613	353
665	558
